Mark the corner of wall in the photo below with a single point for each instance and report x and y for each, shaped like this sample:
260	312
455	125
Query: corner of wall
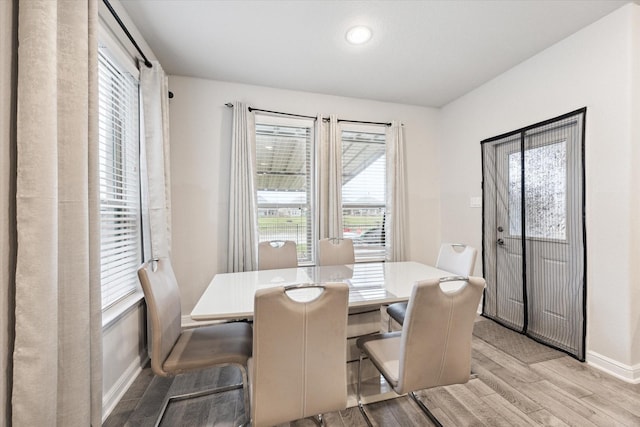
112	397
634	226
627	373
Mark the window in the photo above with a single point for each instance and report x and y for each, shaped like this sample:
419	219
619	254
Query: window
285	187
545	170
284	182
363	191
120	212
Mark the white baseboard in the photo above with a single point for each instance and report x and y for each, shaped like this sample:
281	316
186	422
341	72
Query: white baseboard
113	396
630	374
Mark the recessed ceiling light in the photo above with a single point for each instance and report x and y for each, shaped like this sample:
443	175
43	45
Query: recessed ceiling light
358	35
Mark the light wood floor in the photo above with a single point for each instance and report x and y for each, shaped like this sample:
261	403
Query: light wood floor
519	383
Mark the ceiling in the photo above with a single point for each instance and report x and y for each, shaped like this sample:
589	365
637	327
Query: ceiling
422	52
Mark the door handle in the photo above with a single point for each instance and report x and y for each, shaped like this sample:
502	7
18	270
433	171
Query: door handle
500	242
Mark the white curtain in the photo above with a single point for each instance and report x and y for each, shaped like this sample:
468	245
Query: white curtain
156	166
329	138
8	67
56	372
396	198
243	224
321	136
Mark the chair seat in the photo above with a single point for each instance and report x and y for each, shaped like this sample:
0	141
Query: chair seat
384	351
397	311
203	347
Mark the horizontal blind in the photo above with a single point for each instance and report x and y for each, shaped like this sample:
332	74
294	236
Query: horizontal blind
120	215
284	185
363	192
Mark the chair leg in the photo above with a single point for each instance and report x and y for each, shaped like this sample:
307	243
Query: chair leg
193	395
245	390
426	410
358	392
319	420
244	385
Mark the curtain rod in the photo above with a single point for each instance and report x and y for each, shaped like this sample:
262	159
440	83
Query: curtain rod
230	105
126	31
365	123
281	113
130	37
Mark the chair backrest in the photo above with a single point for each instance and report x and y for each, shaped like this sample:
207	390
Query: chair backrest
436	335
277	254
457	258
163	304
335	251
299	361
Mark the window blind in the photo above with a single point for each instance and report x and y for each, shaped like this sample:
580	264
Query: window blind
120	226
284	184
363	192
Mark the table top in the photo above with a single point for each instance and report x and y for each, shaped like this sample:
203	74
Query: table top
230	295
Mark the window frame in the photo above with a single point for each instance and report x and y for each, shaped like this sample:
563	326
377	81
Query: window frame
122	60
311	204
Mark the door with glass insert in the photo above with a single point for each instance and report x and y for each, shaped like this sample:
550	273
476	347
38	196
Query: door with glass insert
533	236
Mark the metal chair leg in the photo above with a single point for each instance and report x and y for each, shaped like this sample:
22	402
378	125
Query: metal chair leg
193	395
186	396
426	410
422	406
358	392
319	420
245	392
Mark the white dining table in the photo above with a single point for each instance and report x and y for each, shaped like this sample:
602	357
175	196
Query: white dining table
230	295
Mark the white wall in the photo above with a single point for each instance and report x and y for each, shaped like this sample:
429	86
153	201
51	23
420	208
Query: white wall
597	68
200	155
124	352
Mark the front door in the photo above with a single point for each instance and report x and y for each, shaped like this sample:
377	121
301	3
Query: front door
534	232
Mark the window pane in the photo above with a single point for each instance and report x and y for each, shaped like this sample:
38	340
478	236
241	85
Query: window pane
284	185
545	186
363	192
120	235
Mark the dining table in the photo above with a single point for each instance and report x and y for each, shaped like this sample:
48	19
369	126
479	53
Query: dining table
229	296
372	286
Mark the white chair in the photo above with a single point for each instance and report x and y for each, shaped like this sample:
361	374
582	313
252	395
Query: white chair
298	368
277	254
455	258
174	350
335	251
434	347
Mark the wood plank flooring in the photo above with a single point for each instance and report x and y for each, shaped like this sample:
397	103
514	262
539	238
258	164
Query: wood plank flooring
556	391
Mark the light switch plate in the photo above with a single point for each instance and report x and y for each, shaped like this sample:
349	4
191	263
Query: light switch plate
475	202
